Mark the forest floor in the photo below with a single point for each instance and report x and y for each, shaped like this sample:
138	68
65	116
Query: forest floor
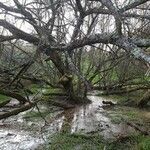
88	127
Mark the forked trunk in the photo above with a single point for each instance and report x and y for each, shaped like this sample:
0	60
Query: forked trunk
66	79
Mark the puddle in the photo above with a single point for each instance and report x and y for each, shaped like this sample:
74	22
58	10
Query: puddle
14	140
18	133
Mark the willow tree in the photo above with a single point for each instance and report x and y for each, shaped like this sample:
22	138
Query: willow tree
58	28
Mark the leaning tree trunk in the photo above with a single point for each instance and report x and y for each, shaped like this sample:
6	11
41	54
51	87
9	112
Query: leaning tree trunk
145	99
66	79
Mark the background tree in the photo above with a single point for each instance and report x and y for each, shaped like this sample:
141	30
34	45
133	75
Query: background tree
77	44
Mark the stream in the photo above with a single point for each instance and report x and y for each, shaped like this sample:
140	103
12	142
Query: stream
24	133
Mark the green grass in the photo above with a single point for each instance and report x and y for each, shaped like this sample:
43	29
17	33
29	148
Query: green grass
3	98
66	141
133	142
131	114
125	114
36	115
143	143
115	118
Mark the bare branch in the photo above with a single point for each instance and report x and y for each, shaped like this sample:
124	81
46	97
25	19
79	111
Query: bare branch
19	33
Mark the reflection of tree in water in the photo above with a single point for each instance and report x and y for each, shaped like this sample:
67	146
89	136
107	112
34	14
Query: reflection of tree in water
81	117
68	119
74	118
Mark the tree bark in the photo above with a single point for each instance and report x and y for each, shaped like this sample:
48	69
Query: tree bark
66	82
17	96
16	111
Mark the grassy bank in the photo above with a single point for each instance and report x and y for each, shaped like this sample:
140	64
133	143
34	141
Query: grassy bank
65	141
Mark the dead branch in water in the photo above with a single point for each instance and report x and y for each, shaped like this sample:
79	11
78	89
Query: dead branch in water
16	111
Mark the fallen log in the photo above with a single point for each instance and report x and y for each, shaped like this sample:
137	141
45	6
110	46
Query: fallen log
15	95
108	103
16	111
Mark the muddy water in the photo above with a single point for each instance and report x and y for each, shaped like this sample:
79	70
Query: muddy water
18	133
89	119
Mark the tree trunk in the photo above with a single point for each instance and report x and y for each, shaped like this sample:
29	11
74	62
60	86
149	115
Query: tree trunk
66	78
66	82
16	111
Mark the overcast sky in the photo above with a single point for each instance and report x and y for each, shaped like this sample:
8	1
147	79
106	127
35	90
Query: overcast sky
69	15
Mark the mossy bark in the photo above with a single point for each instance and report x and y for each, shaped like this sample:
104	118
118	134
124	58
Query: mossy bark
66	81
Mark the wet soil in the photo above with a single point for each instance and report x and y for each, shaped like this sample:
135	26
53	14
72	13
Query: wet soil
25	132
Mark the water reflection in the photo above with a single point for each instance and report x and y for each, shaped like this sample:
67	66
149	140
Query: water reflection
89	118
